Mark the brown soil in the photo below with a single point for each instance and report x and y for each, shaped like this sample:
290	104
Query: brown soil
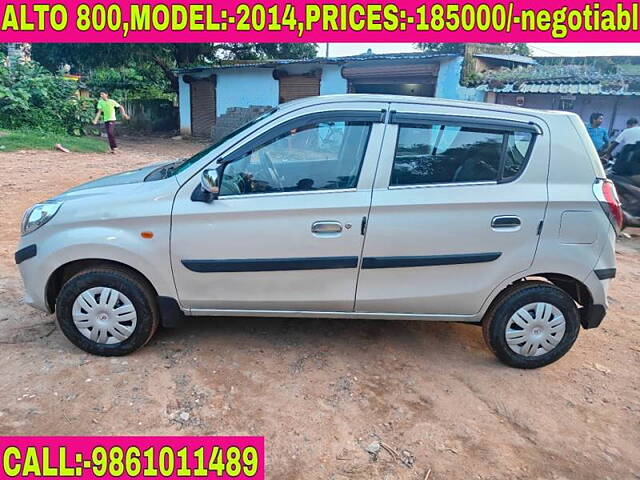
321	391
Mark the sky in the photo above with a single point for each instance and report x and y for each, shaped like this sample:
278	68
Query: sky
537	49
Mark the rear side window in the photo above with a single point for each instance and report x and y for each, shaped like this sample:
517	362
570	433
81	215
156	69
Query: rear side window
433	154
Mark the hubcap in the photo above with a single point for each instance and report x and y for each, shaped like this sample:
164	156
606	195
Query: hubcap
104	315
535	329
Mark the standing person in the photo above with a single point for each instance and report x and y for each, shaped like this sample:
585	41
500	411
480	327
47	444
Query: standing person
598	134
107	107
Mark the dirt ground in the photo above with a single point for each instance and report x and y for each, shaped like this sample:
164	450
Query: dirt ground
322	391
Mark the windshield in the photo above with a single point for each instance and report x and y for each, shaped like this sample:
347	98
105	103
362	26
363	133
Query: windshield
190	161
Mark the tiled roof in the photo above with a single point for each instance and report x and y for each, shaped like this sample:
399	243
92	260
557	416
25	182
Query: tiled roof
318	60
564	79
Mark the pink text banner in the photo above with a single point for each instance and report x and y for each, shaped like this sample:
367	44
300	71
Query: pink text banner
132	457
313	21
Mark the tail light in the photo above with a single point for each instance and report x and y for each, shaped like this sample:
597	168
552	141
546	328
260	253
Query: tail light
605	192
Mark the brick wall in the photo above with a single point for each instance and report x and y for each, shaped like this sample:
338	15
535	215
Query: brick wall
235	117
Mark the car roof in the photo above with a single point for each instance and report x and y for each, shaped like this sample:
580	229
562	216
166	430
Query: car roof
382	98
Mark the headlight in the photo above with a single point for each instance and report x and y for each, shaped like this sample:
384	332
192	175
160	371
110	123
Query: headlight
38	215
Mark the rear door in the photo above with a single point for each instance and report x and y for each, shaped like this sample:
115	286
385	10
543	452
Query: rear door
458	200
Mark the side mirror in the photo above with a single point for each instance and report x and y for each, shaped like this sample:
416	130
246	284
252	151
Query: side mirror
209	187
209	181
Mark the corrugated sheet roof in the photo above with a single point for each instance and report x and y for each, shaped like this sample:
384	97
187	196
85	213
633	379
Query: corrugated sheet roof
318	60
508	58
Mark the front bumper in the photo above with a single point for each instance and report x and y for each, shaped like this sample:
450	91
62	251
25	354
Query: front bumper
25	253
33	277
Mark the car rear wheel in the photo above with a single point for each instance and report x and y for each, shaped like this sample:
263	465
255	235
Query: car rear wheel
531	325
107	311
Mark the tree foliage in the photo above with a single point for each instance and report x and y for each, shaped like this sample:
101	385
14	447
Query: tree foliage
517	48
132	82
32	97
164	57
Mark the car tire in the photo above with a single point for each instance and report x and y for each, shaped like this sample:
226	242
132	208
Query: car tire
121	318
531	325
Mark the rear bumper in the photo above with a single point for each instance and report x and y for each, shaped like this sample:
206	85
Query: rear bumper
594	311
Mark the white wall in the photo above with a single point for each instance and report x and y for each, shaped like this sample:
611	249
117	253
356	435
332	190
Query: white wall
244	87
332	82
448	84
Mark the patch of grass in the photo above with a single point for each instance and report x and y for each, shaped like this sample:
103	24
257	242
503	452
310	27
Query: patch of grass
13	140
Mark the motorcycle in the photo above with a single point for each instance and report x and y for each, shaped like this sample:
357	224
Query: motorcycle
625	174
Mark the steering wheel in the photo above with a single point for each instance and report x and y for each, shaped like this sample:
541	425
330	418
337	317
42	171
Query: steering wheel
267	166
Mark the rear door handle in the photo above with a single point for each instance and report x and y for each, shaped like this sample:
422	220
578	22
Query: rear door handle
505	221
326	227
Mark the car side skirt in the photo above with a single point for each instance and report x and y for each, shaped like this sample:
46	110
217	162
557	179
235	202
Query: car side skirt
205	312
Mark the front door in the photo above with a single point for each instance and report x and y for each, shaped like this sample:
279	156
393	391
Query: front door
285	233
458	201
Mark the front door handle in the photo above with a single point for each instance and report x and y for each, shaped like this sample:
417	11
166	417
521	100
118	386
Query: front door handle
326	226
505	221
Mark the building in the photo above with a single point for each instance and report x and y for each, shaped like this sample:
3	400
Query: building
595	84
216	99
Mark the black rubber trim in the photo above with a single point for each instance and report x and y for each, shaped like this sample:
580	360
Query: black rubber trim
592	316
270	264
429	261
25	253
373	116
605	273
171	315
464	121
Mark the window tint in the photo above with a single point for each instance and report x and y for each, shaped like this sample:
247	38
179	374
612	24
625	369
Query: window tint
428	154
318	156
516	155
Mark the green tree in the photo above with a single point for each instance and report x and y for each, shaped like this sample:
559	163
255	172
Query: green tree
82	57
517	48
32	97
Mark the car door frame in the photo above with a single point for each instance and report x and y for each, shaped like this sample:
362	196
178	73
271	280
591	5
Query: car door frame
374	112
423	114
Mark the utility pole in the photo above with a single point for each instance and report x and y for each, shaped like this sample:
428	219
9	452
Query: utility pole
327	50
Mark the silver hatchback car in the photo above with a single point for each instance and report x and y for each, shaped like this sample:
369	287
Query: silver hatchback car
351	206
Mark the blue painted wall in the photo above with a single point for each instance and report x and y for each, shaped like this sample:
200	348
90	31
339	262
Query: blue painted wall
448	84
184	104
244	88
332	82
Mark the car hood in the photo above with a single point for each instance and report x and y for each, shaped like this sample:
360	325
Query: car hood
131	176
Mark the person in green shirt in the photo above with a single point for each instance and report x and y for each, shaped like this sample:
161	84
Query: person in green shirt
107	108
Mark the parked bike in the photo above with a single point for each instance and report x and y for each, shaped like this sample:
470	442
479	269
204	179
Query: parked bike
625	174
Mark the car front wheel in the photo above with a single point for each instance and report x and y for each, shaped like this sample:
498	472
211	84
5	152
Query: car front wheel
107	311
532	325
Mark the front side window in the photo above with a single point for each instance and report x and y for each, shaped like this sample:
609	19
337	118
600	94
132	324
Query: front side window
433	154
317	156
